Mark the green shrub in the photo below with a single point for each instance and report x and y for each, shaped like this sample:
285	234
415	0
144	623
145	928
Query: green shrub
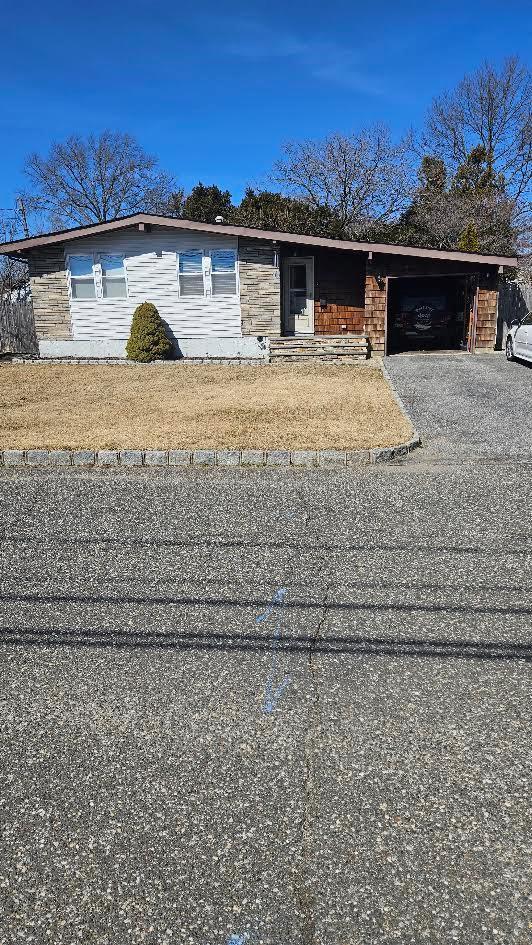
148	340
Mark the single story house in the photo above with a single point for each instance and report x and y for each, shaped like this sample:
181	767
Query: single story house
234	292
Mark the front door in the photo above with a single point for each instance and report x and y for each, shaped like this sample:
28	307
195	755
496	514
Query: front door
299	296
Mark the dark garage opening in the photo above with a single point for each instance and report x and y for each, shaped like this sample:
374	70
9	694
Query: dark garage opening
428	314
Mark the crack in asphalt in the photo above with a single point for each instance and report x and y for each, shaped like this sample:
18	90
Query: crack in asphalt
457	729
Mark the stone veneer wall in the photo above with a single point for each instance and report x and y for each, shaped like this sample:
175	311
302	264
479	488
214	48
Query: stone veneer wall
260	288
49	292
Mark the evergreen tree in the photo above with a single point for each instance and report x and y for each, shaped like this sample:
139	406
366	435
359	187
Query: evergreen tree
206	202
475	178
432	176
148	340
266	210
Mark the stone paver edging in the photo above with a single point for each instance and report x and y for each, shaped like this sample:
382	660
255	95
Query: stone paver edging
324	459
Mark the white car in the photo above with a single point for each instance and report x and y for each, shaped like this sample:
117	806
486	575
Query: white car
519	339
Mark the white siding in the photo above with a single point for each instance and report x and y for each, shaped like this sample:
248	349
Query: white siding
151	272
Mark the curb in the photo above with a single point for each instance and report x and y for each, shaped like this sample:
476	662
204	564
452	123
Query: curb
127	459
400	403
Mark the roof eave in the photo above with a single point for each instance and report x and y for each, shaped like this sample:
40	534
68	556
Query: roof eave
23	247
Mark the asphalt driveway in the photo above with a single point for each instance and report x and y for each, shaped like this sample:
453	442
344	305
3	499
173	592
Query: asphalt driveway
265	707
466	407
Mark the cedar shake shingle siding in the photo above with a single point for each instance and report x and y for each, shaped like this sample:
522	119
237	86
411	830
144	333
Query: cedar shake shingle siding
260	291
49	292
339	293
486	316
375	311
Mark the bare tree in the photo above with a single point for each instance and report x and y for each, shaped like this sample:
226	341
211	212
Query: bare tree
14	284
95	179
362	178
491	107
17	325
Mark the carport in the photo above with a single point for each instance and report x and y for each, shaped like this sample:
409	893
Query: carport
432	300
429	313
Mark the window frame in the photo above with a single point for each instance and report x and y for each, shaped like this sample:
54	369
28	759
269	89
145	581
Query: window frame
198	250
225	295
207	272
98	277
115	298
71	277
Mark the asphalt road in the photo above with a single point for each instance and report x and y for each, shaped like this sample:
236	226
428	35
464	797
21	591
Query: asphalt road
185	763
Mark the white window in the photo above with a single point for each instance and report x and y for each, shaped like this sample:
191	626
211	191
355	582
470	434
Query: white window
113	277
223	263
97	277
205	274
82	284
191	273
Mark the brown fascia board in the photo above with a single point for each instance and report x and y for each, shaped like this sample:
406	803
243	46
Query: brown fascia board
392	249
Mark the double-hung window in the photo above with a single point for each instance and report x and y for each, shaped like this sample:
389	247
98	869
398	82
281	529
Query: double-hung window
82	282
113	277
223	275
100	276
207	274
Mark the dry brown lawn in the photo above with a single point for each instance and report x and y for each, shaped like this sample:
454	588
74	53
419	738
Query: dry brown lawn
172	406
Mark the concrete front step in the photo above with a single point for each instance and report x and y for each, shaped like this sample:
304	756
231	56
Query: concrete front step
343	348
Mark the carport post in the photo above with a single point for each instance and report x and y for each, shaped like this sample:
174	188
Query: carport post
473	332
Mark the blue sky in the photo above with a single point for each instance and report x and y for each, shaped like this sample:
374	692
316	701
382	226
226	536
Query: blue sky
214	88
